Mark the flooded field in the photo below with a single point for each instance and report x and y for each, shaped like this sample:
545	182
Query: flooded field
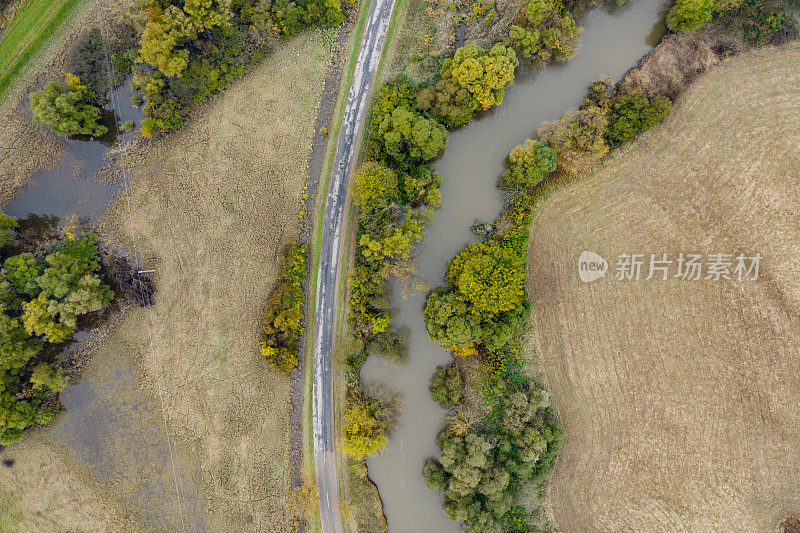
614	40
111	425
81	183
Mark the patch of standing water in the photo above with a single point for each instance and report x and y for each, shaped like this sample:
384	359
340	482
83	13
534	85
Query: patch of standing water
614	39
112	426
76	185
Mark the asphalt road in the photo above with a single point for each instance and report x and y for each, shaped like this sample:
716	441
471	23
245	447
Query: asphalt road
358	98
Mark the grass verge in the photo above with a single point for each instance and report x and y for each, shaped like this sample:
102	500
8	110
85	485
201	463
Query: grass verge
27	32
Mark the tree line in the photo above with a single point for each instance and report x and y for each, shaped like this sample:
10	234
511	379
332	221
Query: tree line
396	189
44	291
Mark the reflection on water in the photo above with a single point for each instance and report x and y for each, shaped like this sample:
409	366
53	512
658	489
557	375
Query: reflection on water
112	423
614	39
77	185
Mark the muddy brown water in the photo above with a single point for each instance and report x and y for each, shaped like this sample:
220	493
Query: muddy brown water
614	39
112	424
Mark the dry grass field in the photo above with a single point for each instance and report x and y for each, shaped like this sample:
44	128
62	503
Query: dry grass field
681	399
25	147
212	207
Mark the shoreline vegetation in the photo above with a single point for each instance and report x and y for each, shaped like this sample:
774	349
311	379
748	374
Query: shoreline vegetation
53	284
481	318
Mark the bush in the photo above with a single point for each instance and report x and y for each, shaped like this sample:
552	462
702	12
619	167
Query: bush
66	109
86	59
364	435
631	114
687	15
578	138
530	162
759	21
547	32
368	305
283	316
446	387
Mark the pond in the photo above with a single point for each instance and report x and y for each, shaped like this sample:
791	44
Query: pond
80	183
614	39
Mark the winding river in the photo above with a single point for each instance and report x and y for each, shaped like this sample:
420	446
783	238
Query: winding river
614	39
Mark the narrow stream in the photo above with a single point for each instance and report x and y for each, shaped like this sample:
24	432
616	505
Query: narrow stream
614	39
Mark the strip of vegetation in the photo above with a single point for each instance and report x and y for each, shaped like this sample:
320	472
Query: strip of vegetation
44	291
283	316
30	28
190	50
485	460
396	189
755	21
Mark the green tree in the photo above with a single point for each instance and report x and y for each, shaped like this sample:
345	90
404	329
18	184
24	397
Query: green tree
41	303
578	138
404	134
8	225
66	109
376	184
687	15
364	435
446	387
168	30
448	102
631	114
490	277
449	321
283	316
333	12
421	187
16	347
47	376
530	162
368	305
22	271
484	73
397	243
547	32
39	321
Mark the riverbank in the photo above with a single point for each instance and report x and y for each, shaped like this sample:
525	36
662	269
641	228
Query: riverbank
713	359
470	166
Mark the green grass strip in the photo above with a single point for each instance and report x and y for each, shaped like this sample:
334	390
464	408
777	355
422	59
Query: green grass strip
27	33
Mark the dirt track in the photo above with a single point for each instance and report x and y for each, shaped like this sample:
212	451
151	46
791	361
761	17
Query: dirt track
680	398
